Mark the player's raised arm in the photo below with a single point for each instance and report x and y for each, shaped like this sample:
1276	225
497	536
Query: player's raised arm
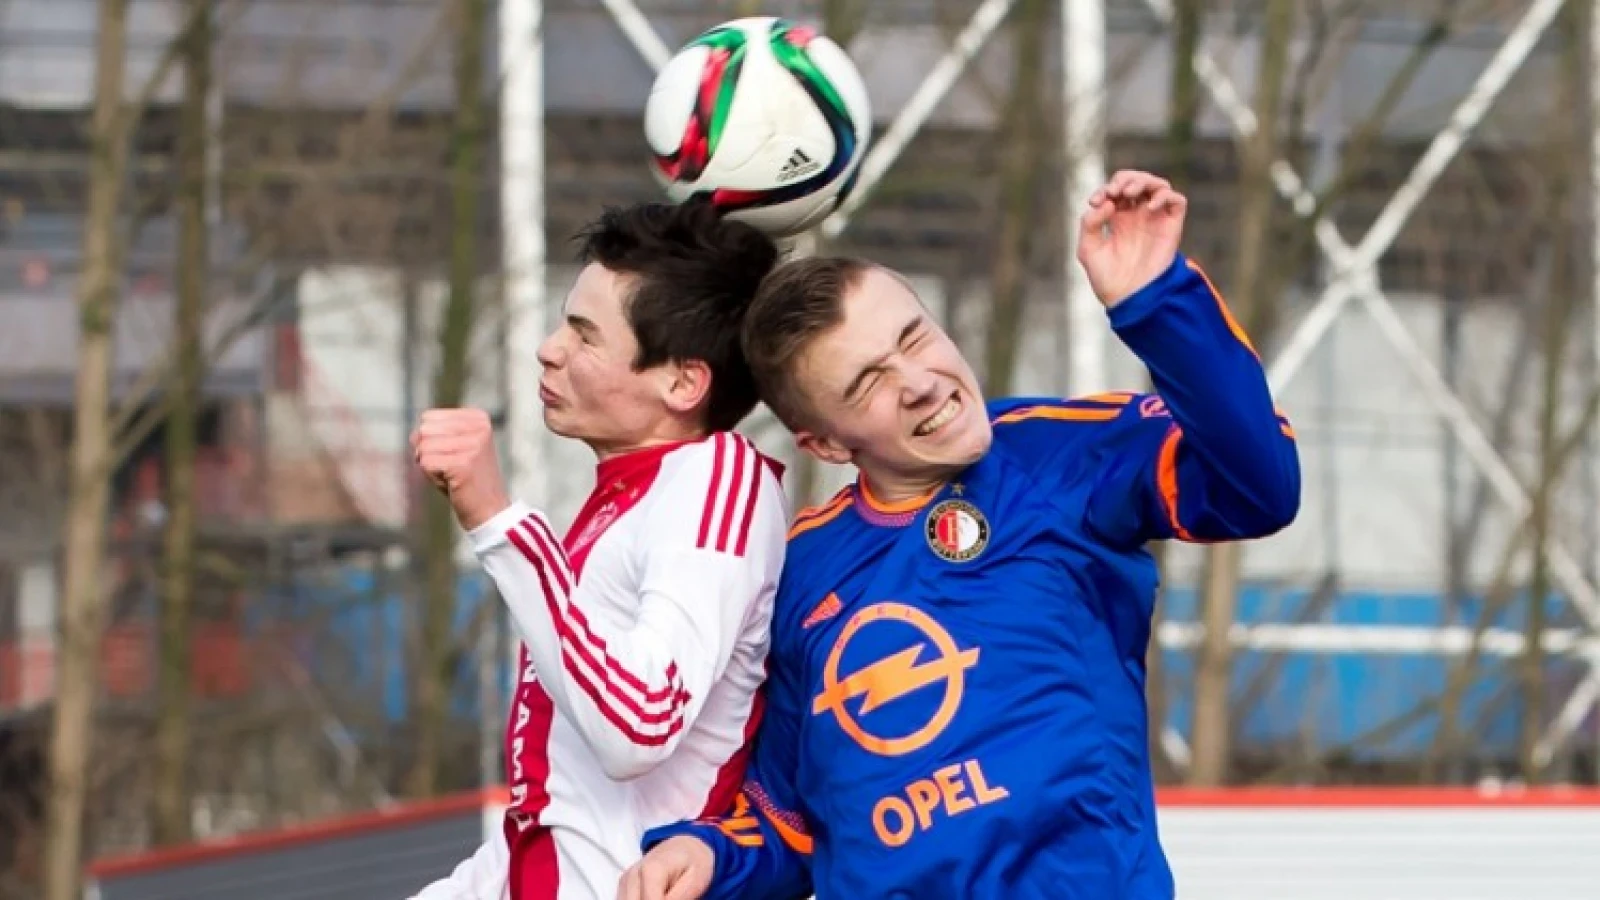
714	544
1211	458
761	849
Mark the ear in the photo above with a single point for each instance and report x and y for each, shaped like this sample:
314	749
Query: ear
823	448
688	386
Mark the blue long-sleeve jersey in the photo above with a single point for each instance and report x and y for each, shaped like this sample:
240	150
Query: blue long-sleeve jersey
956	694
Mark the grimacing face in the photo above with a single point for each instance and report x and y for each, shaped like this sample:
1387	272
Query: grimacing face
890	392
589	389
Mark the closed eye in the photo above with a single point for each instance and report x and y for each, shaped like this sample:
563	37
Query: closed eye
585	329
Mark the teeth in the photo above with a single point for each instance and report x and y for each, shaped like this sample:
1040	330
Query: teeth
941	418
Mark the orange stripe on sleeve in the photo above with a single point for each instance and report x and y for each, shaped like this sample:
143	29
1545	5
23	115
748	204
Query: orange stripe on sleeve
822	509
1227	314
1167	481
1119	398
798	841
743	839
1058	413
822	517
793	832
1284	425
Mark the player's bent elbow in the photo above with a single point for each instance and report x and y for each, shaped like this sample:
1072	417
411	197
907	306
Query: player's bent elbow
1278	496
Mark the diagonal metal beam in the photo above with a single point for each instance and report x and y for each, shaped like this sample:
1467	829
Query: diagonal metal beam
1353	265
639	32
1355	277
1571	716
1563	566
935	85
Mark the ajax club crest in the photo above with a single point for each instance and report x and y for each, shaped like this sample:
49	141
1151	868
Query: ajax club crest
956	530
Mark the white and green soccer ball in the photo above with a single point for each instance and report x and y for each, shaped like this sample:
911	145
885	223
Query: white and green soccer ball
768	118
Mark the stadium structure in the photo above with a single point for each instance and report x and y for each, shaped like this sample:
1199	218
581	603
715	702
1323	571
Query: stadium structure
1407	351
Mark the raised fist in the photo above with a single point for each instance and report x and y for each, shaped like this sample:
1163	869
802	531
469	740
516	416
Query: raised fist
455	449
1130	233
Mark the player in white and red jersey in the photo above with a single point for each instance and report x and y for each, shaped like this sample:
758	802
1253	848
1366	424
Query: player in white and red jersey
645	630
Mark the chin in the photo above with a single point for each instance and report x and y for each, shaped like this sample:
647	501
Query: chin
556	425
975	444
964	449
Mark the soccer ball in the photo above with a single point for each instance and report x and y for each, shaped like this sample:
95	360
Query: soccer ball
767	117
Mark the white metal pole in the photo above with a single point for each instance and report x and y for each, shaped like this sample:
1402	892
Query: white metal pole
905	126
1594	273
523	245
1083	89
522	210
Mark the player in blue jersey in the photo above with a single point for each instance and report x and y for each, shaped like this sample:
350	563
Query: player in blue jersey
956	703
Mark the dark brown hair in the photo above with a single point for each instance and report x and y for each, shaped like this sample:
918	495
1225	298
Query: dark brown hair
696	273
797	303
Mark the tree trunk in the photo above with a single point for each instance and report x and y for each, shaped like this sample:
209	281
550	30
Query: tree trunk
436	648
1020	152
1187	20
83	601
1559	307
171	795
842	20
1220	592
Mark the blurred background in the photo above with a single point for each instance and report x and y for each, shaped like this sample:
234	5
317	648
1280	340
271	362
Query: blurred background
244	242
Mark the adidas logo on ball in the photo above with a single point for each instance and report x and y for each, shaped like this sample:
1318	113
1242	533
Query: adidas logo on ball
798	164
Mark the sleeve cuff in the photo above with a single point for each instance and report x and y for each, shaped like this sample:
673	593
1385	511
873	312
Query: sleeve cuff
1144	302
710	835
492	533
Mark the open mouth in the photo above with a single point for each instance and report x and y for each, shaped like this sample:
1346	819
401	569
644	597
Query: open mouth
944	416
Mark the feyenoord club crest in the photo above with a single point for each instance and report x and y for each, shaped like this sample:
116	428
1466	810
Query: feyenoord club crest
957	531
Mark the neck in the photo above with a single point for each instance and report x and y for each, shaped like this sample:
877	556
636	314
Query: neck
614	449
891	489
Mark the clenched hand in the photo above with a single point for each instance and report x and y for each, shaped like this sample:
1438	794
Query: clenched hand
455	449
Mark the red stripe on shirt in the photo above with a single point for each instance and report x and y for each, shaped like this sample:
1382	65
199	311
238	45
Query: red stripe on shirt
548	548
736	490
579	677
749	507
533	872
573	646
730	776
710	508
739	497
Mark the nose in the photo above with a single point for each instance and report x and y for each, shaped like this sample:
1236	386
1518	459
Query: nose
919	384
550	351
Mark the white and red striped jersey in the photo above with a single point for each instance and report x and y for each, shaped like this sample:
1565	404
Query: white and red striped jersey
645	637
